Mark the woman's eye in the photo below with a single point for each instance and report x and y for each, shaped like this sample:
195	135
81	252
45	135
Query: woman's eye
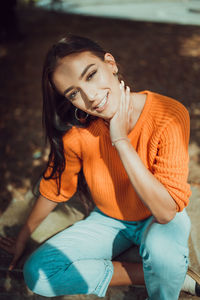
73	95
91	75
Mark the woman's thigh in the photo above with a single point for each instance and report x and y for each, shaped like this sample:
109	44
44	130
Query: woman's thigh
175	232
96	237
81	253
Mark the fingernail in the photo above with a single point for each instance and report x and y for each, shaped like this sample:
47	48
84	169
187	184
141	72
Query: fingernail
122	82
128	88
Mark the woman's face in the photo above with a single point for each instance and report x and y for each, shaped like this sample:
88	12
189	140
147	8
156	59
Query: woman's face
89	83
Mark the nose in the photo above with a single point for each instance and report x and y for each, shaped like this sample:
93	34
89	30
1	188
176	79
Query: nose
90	93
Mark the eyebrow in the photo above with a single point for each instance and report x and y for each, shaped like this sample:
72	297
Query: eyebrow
81	76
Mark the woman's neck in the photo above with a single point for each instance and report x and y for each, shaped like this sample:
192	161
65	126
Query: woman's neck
138	102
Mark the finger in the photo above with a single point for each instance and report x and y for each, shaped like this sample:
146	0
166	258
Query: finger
6	248
10	238
122	84
127	102
11	266
5	245
127	98
122	96
13	263
131	112
130	106
122	88
6	241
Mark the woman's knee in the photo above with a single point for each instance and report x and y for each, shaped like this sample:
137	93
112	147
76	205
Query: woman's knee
164	257
31	272
43	267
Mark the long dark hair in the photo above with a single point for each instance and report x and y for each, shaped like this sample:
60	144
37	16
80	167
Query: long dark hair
58	114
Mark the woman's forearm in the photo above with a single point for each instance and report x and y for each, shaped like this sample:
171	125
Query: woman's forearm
150	190
40	211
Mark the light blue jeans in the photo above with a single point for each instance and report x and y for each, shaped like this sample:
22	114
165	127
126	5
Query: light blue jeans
78	260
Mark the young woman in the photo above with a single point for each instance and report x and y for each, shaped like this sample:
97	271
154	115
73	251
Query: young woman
133	151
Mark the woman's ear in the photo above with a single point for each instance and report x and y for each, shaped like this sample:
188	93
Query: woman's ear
109	59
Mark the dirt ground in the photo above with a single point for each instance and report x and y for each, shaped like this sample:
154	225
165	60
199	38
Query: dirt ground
164	58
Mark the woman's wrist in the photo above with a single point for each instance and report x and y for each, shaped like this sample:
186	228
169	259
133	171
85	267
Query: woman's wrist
24	233
123	138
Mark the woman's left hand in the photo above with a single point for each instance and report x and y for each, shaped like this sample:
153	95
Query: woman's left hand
120	124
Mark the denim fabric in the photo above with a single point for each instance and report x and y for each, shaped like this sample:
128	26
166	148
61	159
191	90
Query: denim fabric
78	260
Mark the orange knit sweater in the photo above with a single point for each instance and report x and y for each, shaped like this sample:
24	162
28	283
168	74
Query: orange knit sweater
160	137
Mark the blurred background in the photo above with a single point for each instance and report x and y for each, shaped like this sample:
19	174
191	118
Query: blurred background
156	43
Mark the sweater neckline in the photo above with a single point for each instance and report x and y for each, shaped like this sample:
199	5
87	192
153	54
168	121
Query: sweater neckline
140	120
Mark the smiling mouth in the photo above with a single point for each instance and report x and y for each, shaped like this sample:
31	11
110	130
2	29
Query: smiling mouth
100	107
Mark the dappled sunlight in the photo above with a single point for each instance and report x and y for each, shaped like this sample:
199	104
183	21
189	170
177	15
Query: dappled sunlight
20	193
40	157
194	111
195	123
194	165
190	46
194	146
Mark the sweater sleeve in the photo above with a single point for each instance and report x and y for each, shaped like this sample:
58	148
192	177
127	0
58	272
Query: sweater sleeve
69	178
171	163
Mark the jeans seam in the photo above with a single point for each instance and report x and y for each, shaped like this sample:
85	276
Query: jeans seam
100	285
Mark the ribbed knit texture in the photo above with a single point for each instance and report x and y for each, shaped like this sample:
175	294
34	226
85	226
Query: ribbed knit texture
160	137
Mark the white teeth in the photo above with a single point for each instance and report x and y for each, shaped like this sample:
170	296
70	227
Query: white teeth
102	102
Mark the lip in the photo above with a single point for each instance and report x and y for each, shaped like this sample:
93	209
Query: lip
100	109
